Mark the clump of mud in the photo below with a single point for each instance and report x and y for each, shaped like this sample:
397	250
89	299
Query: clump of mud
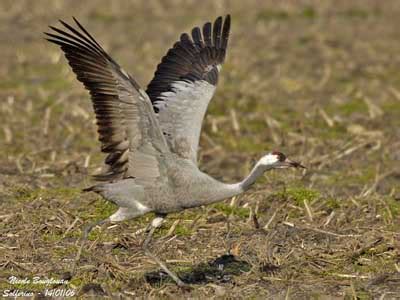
220	270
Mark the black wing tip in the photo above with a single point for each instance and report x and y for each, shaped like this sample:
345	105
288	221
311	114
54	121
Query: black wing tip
47	39
218	20
89	189
51	33
64	23
56	29
227	22
202	47
78	23
196	29
53	27
206	26
226	18
77	35
68	25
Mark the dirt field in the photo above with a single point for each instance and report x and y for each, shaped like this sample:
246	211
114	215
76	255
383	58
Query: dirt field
317	80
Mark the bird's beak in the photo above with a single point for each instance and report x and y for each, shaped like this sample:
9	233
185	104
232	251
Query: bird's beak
294	164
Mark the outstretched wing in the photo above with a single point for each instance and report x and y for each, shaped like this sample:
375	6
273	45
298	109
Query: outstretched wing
184	84
127	126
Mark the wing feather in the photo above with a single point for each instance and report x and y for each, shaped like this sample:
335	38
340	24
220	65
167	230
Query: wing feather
217	32
207	34
184	83
128	129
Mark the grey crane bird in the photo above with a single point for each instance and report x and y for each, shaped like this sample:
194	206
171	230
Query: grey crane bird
151	137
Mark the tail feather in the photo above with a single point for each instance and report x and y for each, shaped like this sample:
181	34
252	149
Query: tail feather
124	193
95	188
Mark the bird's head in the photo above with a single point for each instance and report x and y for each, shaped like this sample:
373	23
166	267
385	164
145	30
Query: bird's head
278	160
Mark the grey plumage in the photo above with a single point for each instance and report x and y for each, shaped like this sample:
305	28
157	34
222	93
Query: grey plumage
151	138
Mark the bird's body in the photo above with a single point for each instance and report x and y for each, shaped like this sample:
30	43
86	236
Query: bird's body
151	137
178	191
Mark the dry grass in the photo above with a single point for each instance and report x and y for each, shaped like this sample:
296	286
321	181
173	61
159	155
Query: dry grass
318	80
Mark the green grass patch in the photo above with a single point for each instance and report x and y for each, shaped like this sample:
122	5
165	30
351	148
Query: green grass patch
392	113
96	234
391	210
101	209
62	252
309	12
356	105
104	209
299	194
373	264
51	237
181	230
358	13
394	206
232	210
332	203
26	194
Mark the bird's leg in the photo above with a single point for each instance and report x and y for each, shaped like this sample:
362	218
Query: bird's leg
84	238
228	244
153	226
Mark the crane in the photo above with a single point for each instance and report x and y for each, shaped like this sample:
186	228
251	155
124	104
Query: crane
151	137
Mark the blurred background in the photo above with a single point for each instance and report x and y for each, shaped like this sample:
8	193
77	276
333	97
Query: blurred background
317	80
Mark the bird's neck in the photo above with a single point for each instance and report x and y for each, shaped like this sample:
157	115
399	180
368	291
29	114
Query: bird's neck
223	190
257	171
